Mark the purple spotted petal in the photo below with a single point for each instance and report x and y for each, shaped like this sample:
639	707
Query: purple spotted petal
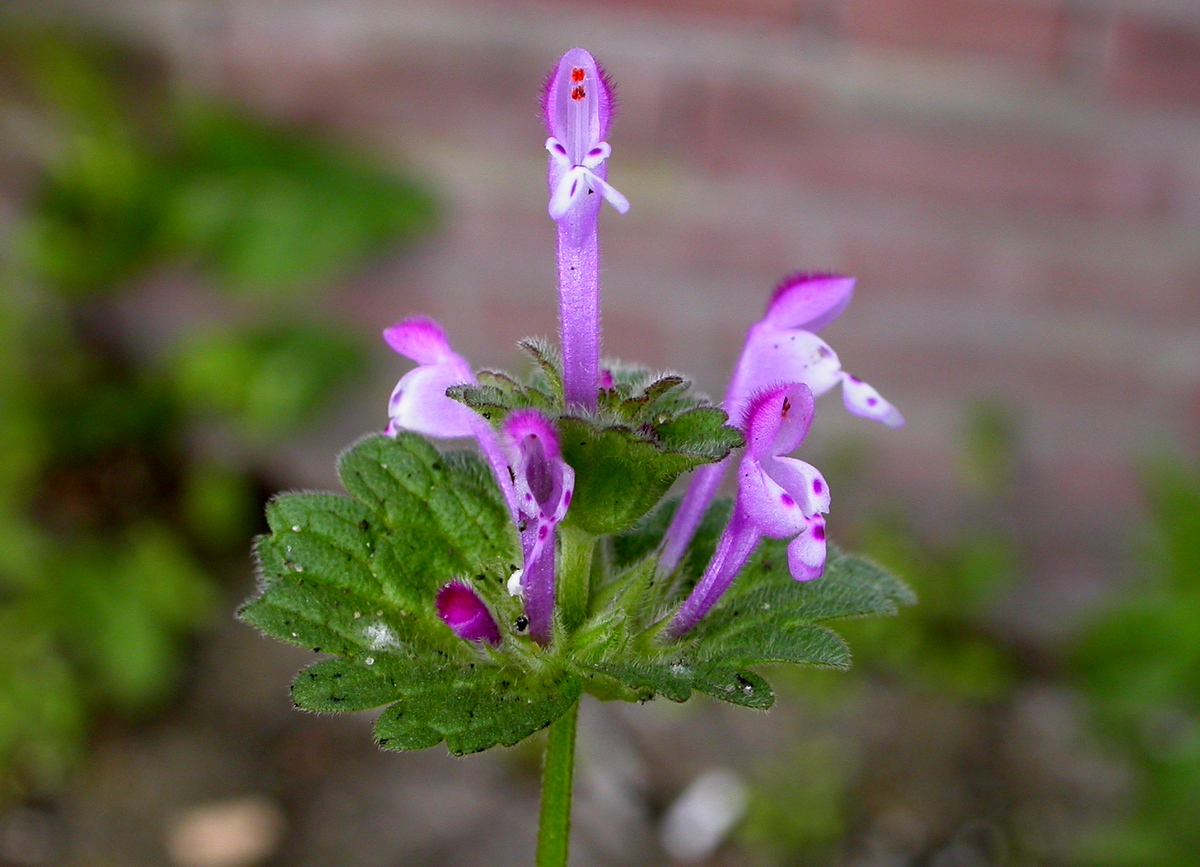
543	484
772	356
806	553
767	505
464	612
809	301
802	481
862	399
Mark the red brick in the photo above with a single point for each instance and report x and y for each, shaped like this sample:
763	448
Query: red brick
1155	62
737	11
1025	31
987	168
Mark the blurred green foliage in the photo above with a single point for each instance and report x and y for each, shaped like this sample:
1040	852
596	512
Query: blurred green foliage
1136	664
114	523
947	644
1139	665
806	808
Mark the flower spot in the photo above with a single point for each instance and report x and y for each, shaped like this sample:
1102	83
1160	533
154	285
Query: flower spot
787	500
818	532
787	407
871	401
578	93
817	486
577	74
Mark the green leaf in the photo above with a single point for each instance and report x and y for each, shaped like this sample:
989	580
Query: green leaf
441	516
735	686
474	709
619	476
357	577
798	644
676	680
765	593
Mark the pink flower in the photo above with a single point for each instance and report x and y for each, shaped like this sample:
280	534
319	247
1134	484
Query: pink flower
778	497
464	612
781	348
543	484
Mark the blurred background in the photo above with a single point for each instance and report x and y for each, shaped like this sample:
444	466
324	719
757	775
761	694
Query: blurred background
210	208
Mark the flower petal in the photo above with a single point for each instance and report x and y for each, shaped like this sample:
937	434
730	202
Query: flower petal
419	402
809	301
862	399
803	481
772	356
558	151
544	482
421	339
806	553
464	612
596	155
766	504
610	193
777	419
570	189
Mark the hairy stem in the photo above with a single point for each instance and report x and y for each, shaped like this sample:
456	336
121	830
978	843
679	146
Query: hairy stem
558	773
574	578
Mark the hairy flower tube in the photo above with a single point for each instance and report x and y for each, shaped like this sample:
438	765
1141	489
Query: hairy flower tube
779	497
544	484
781	347
577	105
464	612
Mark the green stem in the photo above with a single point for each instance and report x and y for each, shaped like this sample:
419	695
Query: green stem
558	772
575	571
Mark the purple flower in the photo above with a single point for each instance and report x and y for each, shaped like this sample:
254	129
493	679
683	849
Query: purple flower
779	497
419	402
543	484
781	347
577	105
464	612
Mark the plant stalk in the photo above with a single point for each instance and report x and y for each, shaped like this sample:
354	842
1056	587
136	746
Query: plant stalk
575	574
558	774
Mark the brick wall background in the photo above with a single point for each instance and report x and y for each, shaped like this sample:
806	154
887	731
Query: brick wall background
1015	183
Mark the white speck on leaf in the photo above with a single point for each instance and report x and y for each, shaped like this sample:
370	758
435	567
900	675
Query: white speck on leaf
380	636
